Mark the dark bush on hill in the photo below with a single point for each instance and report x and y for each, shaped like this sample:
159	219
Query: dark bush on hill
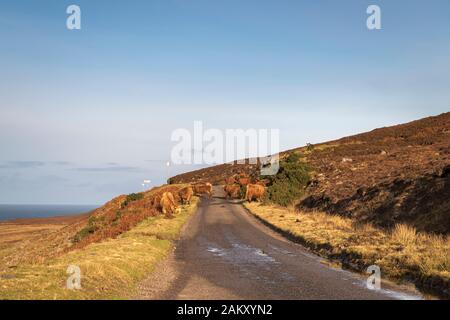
132	197
288	185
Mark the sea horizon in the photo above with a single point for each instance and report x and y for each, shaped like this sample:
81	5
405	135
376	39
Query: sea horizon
29	211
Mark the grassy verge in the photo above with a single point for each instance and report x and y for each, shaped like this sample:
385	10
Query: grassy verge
109	270
402	254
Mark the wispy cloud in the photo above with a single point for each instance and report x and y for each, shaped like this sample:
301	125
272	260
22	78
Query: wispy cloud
83	185
25	164
50	179
21	164
109	169
60	163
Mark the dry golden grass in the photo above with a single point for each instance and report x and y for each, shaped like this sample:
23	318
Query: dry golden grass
109	270
402	253
12	232
405	235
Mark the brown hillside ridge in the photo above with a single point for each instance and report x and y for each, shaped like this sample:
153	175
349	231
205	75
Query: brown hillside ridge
386	176
58	236
398	174
217	175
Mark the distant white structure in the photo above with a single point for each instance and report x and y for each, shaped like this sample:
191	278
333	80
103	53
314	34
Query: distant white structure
168	172
146	184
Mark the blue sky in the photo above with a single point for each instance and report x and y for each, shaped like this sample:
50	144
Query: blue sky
87	114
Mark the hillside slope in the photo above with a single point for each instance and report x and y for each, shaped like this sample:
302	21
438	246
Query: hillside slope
114	247
115	217
398	174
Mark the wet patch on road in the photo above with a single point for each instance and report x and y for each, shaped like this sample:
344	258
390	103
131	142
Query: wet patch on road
240	254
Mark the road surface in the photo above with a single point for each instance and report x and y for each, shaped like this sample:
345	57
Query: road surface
225	253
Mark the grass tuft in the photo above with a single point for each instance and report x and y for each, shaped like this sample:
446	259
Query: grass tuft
405	235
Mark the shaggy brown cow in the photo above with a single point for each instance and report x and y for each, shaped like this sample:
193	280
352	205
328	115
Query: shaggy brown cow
254	191
230	180
232	190
186	194
203	188
263	182
244	181
168	204
172	198
157	202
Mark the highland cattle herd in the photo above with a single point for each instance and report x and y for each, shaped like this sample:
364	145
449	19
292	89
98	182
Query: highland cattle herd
236	187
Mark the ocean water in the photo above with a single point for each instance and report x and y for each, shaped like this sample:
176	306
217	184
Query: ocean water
16	211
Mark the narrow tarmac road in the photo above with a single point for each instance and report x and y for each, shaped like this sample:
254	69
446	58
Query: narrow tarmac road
225	253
